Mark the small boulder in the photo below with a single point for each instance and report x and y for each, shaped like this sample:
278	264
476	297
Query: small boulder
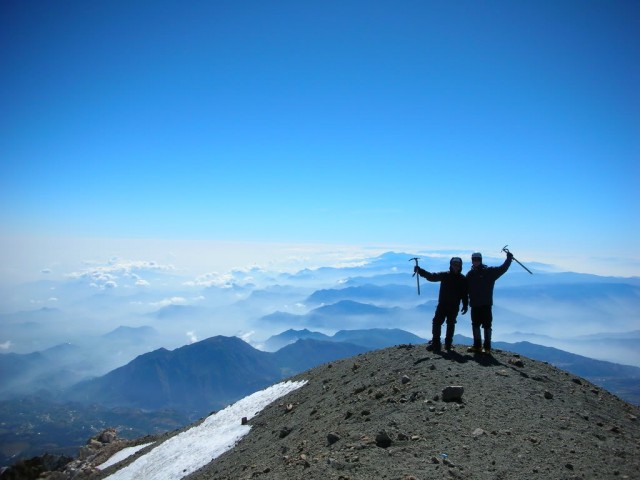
383	440
332	438
452	394
517	363
108	436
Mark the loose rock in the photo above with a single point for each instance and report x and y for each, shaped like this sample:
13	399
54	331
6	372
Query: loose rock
332	438
452	394
383	440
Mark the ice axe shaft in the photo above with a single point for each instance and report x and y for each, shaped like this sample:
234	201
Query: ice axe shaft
506	250
414	273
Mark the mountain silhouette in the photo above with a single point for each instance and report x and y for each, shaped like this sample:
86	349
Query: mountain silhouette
197	377
276	342
374	338
212	373
368	292
203	376
371	338
307	353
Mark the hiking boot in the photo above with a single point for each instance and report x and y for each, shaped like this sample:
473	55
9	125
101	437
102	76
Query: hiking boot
486	351
474	349
433	347
447	347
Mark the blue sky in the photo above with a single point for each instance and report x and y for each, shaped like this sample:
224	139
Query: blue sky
432	124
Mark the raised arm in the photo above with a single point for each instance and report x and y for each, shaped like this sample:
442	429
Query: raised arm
432	277
499	271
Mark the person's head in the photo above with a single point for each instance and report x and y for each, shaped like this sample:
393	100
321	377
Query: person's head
455	264
476	259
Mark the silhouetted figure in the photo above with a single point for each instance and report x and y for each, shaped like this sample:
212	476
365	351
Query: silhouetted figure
481	280
453	290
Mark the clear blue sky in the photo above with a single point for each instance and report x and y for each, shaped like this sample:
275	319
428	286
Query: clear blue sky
460	124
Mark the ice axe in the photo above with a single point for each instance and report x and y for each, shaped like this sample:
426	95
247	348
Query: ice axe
414	273
506	250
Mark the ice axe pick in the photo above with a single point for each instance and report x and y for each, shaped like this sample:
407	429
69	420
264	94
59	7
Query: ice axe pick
414	273
506	250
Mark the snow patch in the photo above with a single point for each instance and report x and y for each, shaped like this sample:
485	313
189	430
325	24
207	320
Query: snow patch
121	455
188	451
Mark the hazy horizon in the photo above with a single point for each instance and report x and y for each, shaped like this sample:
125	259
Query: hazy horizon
82	305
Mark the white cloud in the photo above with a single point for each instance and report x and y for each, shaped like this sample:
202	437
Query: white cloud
212	279
169	301
107	276
191	335
6	345
247	336
236	276
139	281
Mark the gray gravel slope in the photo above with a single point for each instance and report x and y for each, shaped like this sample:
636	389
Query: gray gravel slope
382	415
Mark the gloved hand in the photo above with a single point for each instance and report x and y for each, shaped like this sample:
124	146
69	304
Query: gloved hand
416	269
510	255
464	310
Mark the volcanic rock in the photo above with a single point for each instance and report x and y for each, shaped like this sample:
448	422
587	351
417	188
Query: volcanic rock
502	428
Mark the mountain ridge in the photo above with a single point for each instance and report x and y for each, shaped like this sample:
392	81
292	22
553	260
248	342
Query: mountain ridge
385	414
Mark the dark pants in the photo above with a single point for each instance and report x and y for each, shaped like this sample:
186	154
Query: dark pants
448	313
481	317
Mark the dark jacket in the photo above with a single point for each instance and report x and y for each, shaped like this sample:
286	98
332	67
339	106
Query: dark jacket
453	287
481	281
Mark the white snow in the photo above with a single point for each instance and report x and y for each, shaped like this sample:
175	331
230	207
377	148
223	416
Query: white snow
190	450
121	455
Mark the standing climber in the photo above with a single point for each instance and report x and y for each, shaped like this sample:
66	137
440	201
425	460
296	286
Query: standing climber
453	290
481	280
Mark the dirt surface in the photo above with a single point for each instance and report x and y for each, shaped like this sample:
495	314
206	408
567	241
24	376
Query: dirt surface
382	415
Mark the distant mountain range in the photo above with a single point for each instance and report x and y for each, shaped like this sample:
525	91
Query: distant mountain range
375	292
204	376
371	338
200	377
364	293
622	380
54	369
212	373
349	314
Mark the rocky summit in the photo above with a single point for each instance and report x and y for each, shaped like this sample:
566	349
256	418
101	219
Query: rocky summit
406	413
